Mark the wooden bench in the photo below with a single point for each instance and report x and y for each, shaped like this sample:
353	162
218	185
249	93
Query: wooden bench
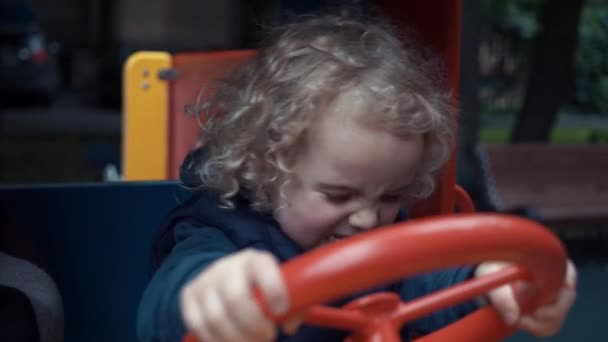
565	185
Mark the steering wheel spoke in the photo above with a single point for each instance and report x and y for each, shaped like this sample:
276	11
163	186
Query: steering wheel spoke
325	316
467	290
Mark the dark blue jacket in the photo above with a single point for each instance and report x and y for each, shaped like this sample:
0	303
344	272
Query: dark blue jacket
198	233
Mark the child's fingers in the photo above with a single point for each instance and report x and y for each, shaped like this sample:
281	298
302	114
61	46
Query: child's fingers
191	315
558	310
571	276
216	321
218	305
266	275
502	298
504	302
551	317
244	311
548	319
539	328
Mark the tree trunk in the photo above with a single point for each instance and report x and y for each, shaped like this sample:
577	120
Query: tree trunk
469	168
551	80
468	121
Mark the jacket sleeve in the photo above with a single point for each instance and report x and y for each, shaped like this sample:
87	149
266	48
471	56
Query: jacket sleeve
422	285
158	318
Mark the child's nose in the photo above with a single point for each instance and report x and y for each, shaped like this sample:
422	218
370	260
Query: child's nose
365	218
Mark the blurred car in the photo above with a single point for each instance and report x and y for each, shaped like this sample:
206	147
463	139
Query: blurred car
29	69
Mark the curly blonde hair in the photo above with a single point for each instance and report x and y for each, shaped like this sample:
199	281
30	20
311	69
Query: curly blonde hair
257	120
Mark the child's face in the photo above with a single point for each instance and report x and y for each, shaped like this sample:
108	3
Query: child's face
347	180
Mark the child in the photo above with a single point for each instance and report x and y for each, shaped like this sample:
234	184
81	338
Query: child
330	130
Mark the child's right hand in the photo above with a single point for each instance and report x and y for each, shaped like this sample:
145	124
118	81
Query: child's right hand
219	305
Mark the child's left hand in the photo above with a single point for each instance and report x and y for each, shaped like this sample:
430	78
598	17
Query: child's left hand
546	320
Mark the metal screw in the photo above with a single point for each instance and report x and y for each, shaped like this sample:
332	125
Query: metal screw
145	85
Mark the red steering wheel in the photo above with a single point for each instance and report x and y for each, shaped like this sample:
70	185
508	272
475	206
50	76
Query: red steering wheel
411	248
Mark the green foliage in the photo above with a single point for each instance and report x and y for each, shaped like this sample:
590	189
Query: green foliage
509	29
592	58
514	17
515	23
494	135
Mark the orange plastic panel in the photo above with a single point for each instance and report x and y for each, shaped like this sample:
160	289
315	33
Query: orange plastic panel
195	72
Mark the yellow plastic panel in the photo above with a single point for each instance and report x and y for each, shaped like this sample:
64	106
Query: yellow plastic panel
145	117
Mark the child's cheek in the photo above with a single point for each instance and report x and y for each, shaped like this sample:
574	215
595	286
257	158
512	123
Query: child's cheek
323	218
319	221
388	215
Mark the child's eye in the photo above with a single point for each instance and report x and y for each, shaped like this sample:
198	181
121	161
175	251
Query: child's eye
337	198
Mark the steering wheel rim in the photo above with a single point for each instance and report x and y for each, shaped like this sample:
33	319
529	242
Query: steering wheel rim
369	259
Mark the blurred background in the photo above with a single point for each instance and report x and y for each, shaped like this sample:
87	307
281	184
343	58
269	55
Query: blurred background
533	124
60	73
532	70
